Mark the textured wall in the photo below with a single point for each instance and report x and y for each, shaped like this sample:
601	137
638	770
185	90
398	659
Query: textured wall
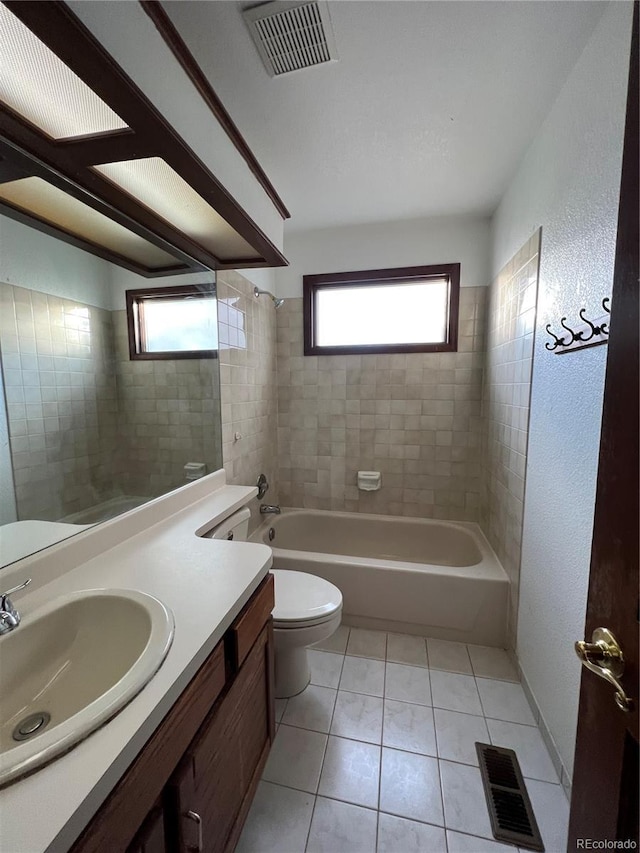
415	418
247	331
505	411
568	183
454	239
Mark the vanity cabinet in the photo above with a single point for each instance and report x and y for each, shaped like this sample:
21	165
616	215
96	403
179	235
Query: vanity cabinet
191	786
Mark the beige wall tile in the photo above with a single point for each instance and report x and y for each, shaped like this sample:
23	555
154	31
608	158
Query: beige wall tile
507	386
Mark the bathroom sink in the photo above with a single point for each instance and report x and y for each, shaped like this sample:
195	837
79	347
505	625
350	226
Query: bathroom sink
72	665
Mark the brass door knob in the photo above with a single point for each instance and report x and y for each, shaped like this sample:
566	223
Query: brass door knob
604	657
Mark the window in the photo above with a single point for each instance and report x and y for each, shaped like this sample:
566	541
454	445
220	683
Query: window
410	309
173	322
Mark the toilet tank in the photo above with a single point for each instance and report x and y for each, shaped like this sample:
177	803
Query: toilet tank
235	527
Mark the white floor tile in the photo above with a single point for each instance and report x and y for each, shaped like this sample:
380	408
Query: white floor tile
404	648
460	843
360	675
399	835
351	772
279	820
488	662
281	704
455	692
457	735
325	668
357	716
551	809
526	741
410	786
311	709
367	644
296	759
504	701
465	806
341	828
409	727
448	656
337	642
407	684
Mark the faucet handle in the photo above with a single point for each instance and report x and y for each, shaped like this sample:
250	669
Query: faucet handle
5	601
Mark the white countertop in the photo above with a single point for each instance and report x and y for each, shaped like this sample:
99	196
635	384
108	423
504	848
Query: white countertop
205	582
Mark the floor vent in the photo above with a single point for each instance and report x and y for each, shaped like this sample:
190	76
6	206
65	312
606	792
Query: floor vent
512	818
291	35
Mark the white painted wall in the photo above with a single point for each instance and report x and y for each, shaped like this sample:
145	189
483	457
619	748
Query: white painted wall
31	259
568	183
405	243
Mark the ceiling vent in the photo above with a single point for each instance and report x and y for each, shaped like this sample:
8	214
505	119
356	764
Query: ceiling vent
292	35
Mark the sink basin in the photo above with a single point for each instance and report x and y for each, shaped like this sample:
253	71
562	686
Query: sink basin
70	667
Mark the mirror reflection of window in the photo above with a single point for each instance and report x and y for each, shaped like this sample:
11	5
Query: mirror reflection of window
173	322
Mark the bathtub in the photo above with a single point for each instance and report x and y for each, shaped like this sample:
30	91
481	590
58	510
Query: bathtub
420	576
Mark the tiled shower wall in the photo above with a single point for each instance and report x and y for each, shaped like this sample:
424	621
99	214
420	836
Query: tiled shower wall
247	330
87	424
57	358
415	418
168	415
506	394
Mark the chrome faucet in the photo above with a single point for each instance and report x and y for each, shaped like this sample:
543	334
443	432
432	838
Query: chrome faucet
9	616
265	509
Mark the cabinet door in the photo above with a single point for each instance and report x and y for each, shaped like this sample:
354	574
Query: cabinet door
217	777
150	838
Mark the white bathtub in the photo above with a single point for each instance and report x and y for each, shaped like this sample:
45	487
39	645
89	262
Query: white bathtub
435	578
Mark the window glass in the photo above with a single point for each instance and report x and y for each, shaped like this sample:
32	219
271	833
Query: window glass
410	309
173	325
382	314
173	322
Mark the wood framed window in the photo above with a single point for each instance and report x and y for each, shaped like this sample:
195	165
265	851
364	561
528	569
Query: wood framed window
173	322
406	309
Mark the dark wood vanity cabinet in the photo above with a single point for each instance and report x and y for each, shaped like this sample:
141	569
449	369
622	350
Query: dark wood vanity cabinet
209	788
191	786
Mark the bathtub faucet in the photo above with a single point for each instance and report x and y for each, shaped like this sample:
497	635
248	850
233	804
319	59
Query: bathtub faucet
265	509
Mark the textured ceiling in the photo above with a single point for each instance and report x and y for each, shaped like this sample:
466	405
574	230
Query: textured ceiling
427	113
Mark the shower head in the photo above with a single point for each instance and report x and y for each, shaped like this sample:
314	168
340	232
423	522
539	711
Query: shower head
276	302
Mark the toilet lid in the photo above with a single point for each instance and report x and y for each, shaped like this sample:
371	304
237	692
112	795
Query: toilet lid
301	597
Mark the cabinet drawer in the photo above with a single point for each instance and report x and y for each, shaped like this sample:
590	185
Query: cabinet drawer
245	630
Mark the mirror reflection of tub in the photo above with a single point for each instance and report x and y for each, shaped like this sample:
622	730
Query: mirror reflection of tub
85	432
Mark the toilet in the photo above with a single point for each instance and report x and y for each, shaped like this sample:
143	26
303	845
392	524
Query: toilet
308	609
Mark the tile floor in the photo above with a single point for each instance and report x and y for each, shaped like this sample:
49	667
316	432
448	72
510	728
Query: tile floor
377	755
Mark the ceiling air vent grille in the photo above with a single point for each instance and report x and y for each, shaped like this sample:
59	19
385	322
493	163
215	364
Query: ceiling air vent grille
291	36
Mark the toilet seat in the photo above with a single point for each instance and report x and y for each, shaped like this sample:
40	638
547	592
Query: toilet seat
303	600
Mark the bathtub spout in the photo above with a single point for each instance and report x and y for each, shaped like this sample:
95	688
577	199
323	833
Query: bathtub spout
265	509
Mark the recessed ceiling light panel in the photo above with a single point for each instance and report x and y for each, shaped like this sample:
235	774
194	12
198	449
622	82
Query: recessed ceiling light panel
155	184
52	205
37	85
292	35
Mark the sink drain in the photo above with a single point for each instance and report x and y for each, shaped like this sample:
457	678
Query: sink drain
31	725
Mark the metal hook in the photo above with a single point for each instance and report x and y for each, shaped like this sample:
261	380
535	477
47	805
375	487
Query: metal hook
559	342
574	336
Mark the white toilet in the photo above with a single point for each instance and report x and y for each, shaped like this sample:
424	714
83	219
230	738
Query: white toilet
308	610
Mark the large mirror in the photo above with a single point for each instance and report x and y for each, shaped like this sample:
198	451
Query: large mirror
87	431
